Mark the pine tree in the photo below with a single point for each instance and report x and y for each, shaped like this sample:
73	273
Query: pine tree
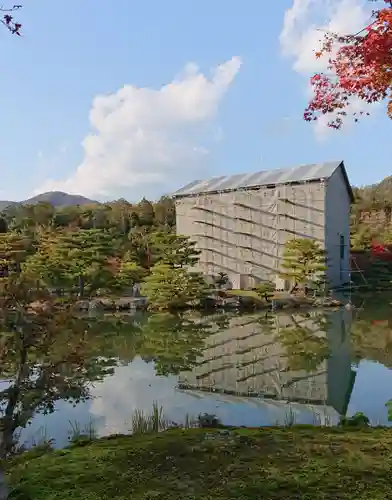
146	212
164	211
43	267
172	249
75	256
14	249
149	248
129	273
173	288
303	262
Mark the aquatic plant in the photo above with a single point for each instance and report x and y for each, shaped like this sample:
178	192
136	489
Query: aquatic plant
389	408
145	423
77	433
289	419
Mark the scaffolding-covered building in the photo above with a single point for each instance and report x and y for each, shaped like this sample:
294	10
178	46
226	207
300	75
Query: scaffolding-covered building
240	223
253	358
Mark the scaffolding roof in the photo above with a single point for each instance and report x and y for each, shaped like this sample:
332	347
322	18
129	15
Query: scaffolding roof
298	174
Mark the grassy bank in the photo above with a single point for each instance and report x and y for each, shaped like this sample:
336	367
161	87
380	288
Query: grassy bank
198	464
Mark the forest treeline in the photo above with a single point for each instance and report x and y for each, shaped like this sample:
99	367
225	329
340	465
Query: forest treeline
102	249
120	215
131	239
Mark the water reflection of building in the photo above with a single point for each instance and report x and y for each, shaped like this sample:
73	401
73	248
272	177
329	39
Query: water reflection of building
253	358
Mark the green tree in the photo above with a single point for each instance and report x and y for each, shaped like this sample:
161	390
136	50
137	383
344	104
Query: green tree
44	268
361	237
134	221
304	262
100	217
173	288
149	248
20	217
222	279
75	257
164	211
43	213
129	273
44	354
139	247
14	249
120	216
265	290
173	341
146	212
172	249
68	216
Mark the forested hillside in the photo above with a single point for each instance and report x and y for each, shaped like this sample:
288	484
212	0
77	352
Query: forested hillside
371	215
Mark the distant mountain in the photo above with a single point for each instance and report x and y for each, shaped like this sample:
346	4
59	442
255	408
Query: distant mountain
5	204
56	198
60	199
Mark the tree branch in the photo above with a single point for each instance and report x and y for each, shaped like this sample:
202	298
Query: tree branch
8	19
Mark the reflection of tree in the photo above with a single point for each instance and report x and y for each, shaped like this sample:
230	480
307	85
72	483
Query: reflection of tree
267	323
44	355
173	342
117	337
371	330
372	340
306	348
221	320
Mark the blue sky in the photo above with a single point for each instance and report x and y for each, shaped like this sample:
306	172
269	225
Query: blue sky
247	118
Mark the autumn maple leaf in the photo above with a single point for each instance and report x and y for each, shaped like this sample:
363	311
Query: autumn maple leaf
361	67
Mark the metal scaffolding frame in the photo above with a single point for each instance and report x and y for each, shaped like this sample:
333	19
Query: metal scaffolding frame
224	211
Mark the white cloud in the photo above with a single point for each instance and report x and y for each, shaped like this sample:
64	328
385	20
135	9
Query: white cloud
146	140
304	26
111	412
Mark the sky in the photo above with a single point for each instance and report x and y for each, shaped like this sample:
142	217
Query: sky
131	99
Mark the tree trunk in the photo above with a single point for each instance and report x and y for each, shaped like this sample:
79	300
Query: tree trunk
6	443
8	423
4	492
81	286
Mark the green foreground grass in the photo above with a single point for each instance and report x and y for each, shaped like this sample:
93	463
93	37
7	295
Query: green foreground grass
300	463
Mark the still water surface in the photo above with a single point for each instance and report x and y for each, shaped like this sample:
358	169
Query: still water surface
248	370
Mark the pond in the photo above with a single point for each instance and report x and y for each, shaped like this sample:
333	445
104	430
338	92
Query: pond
250	369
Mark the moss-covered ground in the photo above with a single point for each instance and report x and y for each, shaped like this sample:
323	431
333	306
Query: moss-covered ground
300	463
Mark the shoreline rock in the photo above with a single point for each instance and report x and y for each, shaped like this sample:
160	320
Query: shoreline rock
232	302
112	304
